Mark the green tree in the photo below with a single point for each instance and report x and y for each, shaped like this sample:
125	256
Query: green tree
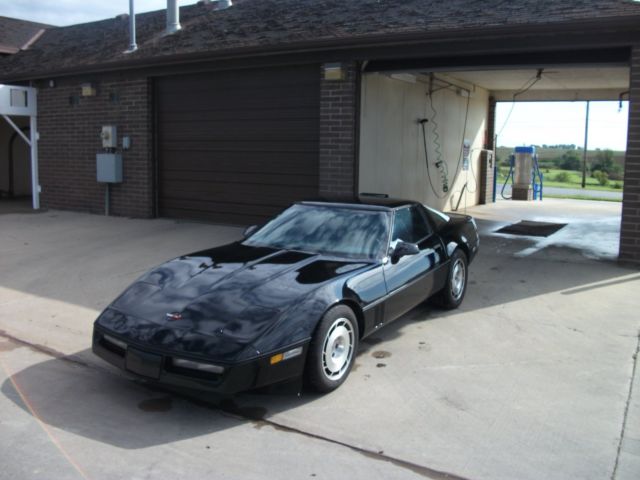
562	177
570	161
602	177
604	161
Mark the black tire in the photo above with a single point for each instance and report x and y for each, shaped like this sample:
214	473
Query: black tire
451	296
332	350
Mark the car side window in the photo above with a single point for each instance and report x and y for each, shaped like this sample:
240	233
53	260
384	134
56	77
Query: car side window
410	225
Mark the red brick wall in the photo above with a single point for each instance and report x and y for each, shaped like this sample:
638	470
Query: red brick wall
70	139
630	231
338	122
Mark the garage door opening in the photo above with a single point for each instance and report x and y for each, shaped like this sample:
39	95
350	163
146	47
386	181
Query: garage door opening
580	146
580	153
18	149
431	135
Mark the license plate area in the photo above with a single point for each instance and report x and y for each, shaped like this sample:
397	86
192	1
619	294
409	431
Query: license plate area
143	363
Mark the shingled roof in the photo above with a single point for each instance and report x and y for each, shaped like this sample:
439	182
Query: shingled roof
284	25
17	34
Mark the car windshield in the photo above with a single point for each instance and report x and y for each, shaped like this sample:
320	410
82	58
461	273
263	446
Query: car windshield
345	232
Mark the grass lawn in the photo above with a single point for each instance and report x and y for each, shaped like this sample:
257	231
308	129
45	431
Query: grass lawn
575	180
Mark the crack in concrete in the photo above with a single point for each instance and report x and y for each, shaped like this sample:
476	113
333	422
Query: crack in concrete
626	407
378	456
421	470
40	348
51	352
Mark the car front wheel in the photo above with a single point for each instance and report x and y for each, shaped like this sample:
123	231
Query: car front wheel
452	294
332	349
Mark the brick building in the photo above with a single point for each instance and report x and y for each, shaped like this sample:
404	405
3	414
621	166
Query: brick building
248	108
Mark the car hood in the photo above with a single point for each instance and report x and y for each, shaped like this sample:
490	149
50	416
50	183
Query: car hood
235	291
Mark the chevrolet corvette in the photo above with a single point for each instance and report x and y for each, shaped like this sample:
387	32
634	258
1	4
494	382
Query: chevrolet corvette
291	298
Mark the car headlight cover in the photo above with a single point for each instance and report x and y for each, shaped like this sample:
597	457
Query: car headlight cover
115	341
200	366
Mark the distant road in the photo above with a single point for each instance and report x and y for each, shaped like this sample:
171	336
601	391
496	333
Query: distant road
571	191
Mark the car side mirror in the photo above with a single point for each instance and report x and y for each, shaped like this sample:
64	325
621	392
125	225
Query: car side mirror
250	230
402	249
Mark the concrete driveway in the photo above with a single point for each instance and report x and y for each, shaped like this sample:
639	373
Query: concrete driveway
530	379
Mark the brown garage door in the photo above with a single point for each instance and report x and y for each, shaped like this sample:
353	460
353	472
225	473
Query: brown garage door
238	146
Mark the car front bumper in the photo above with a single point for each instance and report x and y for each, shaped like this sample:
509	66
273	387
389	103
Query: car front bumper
154	365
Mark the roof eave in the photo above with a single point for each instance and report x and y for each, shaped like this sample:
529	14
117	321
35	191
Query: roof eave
625	28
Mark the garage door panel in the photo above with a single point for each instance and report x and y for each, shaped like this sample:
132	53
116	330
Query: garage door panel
232	208
246	147
238	100
201	211
301	129
248	79
294	112
237	147
241	160
240	163
233	192
249	178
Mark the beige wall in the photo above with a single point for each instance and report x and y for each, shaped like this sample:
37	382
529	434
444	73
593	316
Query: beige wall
392	157
21	163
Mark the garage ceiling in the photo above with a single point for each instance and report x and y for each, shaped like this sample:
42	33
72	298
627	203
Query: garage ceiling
556	83
552	78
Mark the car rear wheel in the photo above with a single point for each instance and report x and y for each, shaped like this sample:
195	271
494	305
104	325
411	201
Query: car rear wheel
332	349
452	294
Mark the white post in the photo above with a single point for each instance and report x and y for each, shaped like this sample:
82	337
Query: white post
35	184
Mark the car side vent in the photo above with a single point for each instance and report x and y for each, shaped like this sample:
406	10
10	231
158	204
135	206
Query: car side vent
377	195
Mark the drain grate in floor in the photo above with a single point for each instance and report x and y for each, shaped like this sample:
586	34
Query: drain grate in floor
533	229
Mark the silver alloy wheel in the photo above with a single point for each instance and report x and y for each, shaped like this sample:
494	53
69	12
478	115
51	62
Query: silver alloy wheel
337	349
458	274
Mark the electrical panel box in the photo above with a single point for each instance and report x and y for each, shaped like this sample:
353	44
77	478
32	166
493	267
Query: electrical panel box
466	154
109	167
109	136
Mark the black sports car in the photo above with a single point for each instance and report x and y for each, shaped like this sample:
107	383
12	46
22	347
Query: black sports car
293	297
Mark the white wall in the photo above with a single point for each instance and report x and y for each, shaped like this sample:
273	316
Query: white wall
392	157
21	158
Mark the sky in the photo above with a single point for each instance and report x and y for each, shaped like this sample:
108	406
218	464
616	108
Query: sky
548	123
553	123
68	12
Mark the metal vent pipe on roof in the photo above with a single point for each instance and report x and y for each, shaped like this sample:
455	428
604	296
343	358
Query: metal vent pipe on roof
173	17
133	46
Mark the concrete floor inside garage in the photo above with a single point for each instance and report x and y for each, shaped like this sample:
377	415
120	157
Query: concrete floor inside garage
531	378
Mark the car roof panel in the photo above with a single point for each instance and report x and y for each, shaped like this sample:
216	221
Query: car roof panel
368	202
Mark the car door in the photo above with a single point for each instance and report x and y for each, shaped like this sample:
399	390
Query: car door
409	281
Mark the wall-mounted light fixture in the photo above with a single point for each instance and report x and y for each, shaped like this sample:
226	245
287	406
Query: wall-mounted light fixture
404	77
333	71
88	90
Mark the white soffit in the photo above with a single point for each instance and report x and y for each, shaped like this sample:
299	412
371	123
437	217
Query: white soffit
583	83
